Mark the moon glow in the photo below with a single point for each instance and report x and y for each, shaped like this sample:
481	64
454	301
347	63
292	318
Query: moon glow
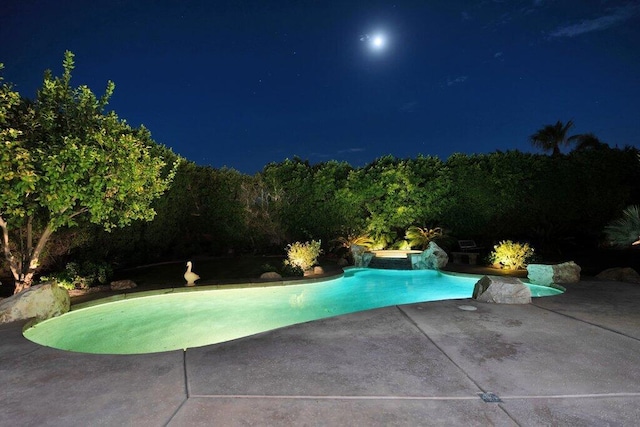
377	42
374	41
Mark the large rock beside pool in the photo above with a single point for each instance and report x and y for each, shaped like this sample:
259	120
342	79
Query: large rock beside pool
40	302
432	258
361	258
545	275
620	274
501	290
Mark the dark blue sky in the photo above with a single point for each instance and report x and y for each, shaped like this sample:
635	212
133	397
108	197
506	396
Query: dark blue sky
243	83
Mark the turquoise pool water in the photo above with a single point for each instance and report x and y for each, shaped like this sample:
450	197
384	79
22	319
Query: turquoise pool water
198	317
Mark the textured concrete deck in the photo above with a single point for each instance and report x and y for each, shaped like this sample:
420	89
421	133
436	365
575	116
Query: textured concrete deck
573	360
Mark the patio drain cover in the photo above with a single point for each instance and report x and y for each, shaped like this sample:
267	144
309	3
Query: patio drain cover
490	397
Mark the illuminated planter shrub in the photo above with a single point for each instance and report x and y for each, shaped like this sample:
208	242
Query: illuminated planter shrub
511	255
303	255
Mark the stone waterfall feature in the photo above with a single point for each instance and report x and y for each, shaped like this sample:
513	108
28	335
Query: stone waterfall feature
361	258
432	258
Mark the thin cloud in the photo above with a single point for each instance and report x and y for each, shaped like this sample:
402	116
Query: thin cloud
497	55
510	12
351	150
456	80
618	16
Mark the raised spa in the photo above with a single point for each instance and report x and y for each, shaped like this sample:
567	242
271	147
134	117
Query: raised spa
194	317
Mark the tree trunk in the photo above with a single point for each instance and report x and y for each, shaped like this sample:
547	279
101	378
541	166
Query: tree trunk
25	268
21	286
31	262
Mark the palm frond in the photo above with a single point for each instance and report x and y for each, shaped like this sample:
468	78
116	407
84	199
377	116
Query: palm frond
551	137
420	237
625	231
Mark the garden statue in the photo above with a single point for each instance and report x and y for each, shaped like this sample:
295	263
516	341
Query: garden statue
190	276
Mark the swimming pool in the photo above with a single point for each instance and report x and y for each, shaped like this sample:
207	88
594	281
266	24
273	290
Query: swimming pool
194	317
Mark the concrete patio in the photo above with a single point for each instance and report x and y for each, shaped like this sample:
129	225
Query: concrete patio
572	360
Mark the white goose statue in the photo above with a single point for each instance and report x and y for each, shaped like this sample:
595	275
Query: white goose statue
190	276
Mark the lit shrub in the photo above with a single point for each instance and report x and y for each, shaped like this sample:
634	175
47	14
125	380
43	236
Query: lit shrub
401	245
378	245
81	276
420	237
303	255
511	255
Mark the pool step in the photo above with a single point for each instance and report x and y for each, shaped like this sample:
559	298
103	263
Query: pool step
390	263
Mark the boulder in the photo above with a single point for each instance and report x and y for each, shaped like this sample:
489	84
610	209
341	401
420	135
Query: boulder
501	290
121	285
432	258
361	258
40	302
567	272
620	274
545	275
271	275
314	270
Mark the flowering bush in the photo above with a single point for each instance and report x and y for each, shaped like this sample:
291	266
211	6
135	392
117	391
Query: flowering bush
511	255
303	255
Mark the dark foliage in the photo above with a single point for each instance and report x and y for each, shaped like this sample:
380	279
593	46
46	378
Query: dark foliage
560	204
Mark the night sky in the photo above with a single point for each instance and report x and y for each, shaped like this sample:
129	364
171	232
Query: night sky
243	83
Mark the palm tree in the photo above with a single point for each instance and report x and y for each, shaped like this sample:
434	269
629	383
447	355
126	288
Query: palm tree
587	141
343	246
353	239
551	137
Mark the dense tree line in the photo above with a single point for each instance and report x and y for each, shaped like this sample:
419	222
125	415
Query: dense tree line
549	201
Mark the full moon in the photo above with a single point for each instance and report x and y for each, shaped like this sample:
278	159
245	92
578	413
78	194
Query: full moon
377	42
